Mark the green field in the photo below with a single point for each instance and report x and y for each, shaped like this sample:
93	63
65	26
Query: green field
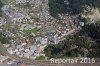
40	58
31	31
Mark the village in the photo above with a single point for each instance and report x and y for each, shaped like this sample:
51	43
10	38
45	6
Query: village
32	28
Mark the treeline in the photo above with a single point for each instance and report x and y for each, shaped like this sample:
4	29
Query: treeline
1	4
85	43
57	7
74	7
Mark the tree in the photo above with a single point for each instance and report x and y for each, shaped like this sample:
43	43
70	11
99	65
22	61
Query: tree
71	47
74	7
4	39
1	4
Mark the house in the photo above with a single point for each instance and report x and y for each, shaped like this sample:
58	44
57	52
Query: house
32	48
23	44
29	27
17	53
22	1
10	62
41	48
21	49
27	50
55	39
81	23
44	41
26	55
12	15
18	46
3	58
12	50
2	22
41	40
21	55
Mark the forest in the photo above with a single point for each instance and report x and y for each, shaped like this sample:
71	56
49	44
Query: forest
86	42
73	7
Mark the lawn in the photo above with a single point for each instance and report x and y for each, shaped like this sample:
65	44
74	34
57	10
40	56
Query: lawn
1	53
31	31
40	58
